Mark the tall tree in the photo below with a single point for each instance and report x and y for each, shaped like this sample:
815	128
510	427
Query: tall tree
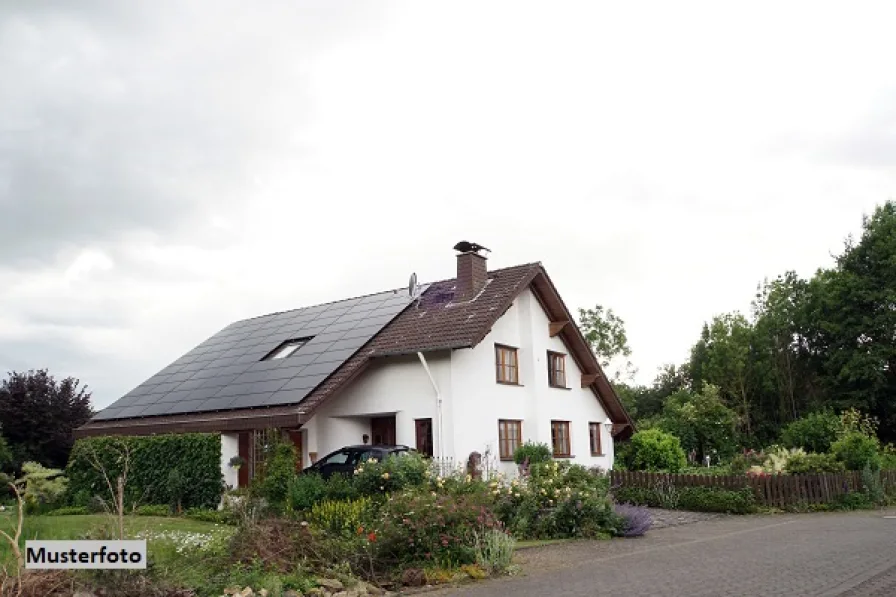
38	414
605	333
727	361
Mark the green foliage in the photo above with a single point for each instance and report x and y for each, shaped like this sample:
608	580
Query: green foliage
68	511
654	450
534	452
6	459
854	421
153	510
556	500
777	459
814	433
395	473
494	550
873	486
605	333
698	499
888	457
341	517
176	485
701	422
44	487
813	464
744	461
196	456
853	500
305	490
420	527
856	451
279	470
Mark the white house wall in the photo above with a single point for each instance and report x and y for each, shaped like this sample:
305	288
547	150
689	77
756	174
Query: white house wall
483	401
472	400
390	385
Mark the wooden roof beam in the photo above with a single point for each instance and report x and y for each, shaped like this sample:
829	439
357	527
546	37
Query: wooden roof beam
556	326
588	379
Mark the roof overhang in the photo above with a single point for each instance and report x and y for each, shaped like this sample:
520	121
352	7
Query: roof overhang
546	294
214	422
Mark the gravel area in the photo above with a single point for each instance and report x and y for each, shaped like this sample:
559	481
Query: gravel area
673	518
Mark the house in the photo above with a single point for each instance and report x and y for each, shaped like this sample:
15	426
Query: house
479	363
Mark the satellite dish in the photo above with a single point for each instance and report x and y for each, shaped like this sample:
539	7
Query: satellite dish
412	286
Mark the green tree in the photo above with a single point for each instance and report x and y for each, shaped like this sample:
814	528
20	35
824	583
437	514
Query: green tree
727	360
701	421
605	333
814	433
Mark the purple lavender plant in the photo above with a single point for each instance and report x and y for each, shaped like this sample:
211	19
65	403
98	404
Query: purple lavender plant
636	519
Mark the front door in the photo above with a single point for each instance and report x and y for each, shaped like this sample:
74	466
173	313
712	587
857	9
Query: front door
423	428
382	431
296	437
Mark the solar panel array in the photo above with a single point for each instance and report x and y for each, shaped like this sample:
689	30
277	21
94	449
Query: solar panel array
227	371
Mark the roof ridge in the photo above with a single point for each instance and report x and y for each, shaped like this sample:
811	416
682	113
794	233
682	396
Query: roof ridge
393	290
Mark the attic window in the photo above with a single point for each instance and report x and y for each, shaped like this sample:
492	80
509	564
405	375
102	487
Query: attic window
286	349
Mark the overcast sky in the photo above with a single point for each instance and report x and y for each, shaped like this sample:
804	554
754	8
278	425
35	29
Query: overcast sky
169	167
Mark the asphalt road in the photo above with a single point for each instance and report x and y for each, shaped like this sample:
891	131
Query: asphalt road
806	555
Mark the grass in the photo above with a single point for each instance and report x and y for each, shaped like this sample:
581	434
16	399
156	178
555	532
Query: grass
540	542
73	527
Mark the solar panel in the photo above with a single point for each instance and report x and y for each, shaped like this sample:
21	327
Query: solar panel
226	371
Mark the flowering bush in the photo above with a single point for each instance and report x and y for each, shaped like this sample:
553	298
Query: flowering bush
395	473
424	527
555	500
635	519
340	516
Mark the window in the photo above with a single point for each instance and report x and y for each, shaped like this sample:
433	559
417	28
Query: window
556	369
510	437
340	457
507	365
594	434
262	442
423	433
286	349
560	438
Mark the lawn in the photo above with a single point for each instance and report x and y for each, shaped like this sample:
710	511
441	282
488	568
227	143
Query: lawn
163	533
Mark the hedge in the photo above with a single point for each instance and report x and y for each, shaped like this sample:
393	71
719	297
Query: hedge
197	456
697	499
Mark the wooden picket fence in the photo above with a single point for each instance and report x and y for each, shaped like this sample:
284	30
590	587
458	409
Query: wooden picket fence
770	490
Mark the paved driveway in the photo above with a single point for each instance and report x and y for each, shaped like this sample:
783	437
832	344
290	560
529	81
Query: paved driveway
808	555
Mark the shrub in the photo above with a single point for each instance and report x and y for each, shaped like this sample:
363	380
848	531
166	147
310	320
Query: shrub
68	511
423	527
813	433
196	455
494	550
709	499
777	459
742	462
853	500
153	510
305	490
395	473
556	500
215	516
888	457
533	452
856	451
341	517
44	487
654	450
698	499
176	487
340	487
279	470
873	487
813	464
636	520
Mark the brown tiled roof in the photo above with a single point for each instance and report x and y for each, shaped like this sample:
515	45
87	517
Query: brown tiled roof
434	322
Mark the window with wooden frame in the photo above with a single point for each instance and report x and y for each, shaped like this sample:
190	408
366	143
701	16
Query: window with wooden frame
507	367
560	439
263	442
594	435
556	369
510	437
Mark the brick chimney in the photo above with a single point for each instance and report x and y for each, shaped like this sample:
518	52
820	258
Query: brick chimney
471	271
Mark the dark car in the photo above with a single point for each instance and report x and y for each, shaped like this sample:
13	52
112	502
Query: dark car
345	459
